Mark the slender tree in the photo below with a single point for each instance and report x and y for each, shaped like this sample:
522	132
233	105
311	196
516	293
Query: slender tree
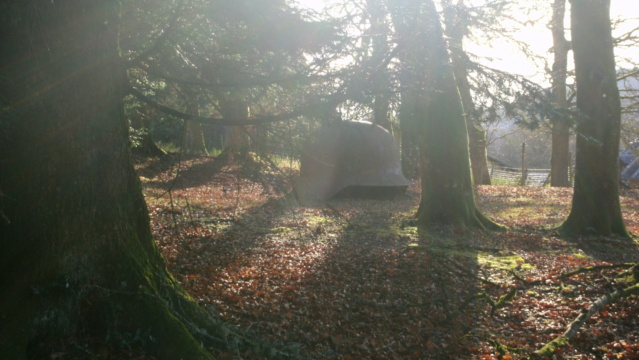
193	136
408	126
78	262
411	77
560	158
193	141
595	204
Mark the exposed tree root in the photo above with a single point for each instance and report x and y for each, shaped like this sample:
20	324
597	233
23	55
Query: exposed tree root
165	325
573	328
595	268
494	305
498	346
526	283
487	223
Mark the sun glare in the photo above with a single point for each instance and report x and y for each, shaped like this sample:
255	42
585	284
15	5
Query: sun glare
316	5
505	55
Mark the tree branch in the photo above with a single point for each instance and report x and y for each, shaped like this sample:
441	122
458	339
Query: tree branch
333	99
629	74
250	81
595	268
160	40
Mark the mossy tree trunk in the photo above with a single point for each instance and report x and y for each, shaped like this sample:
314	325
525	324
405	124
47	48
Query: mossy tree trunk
78	263
560	157
447	188
595	204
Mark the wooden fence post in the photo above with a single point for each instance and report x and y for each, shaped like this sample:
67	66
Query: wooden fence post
523	164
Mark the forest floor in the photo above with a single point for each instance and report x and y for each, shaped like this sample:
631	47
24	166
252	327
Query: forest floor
354	279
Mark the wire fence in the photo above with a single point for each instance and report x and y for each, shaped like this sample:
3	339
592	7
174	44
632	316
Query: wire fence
513	176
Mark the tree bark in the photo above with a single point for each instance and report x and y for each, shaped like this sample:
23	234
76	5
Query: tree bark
237	148
193	139
447	188
78	263
455	30
595	204
478	154
192	134
560	157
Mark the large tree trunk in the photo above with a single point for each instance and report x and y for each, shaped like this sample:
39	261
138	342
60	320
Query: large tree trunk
455	30
78	263
560	158
595	203
447	187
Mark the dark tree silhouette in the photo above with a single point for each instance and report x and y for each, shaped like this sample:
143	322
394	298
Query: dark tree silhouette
78	263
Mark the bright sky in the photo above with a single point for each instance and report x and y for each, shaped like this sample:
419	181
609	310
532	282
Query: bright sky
506	57
540	39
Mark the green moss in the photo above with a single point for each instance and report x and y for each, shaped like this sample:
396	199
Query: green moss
389	231
506	262
552	346
280	230
313	220
505	299
627	279
165	336
503	262
567	290
455	252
